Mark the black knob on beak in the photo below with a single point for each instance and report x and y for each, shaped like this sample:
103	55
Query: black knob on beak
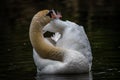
49	13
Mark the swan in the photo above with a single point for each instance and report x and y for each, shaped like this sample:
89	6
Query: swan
73	37
50	59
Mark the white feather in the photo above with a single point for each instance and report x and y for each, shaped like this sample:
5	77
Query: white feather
72	38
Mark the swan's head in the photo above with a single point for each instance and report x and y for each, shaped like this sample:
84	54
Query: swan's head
39	16
43	13
48	13
45	16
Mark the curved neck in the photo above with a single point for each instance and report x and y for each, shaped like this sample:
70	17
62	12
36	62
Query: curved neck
38	42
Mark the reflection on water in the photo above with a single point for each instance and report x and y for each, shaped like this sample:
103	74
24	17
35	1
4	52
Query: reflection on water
99	18
65	77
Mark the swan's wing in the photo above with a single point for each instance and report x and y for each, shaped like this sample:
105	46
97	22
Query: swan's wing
51	27
82	35
79	40
48	27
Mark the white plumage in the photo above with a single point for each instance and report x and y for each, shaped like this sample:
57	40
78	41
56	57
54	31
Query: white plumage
73	37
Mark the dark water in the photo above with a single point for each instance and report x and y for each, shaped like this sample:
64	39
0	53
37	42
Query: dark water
98	17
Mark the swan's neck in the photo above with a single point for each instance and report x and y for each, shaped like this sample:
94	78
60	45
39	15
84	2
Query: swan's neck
37	40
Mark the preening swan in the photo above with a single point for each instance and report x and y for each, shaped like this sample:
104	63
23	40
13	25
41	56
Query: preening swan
51	59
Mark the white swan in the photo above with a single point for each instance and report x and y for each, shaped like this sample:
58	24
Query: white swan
50	59
73	37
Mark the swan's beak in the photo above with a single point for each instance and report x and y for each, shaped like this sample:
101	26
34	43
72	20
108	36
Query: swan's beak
52	14
56	15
